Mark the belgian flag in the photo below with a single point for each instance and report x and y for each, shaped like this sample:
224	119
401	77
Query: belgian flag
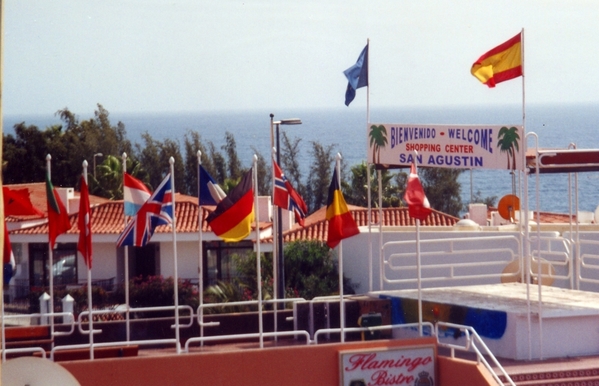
233	217
341	223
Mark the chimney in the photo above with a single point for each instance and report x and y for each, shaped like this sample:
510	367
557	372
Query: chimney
478	213
265	209
67	196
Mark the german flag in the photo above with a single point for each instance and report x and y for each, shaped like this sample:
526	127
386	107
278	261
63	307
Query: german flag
502	63
341	223
233	217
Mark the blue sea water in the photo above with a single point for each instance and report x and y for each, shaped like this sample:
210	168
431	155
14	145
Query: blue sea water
557	126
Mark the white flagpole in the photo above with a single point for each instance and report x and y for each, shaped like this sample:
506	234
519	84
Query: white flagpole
50	257
176	270
418	261
2	201
201	252
275	246
341	305
126	260
89	285
258	262
369	193
526	244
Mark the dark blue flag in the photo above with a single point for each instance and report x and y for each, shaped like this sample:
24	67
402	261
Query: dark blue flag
357	76
209	192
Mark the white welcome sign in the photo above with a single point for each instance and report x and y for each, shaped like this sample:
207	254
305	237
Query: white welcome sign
396	366
446	146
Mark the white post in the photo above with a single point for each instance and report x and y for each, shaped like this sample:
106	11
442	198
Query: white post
89	286
68	306
201	252
275	247
258	262
341	304
418	260
50	258
44	300
176	272
126	262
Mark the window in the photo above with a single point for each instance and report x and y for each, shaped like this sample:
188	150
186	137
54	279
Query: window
64	266
219	262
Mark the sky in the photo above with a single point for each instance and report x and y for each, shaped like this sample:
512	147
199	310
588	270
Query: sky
150	56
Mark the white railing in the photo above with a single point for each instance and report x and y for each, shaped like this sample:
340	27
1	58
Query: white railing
475	344
450	259
588	264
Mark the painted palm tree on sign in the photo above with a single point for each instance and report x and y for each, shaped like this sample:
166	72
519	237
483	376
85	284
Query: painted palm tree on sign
378	139
508	142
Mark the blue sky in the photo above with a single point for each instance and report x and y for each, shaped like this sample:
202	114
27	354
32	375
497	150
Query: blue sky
194	55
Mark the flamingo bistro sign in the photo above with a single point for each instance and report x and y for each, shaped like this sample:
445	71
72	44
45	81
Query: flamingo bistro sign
446	146
410	366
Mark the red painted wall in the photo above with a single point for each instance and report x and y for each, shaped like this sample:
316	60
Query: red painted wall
295	365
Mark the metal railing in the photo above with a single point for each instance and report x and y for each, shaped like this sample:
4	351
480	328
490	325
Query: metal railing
475	344
454	259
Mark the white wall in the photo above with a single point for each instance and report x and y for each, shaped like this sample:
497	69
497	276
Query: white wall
356	257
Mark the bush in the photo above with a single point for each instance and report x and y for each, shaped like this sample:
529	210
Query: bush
310	271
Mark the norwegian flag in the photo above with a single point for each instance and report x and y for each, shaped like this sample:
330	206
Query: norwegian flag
158	210
286	197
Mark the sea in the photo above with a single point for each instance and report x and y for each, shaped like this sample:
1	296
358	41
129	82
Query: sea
345	130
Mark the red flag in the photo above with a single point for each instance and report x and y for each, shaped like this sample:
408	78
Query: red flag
419	208
85	225
58	218
18	203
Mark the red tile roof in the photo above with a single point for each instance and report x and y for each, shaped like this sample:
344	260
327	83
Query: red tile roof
316	227
108	218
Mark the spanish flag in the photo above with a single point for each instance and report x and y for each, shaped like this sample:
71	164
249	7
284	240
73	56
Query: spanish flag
233	217
502	63
341	223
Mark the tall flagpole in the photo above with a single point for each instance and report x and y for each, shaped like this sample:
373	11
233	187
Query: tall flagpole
341	305
258	262
201	251
368	192
525	244
50	256
418	260
176	270
126	258
89	282
2	198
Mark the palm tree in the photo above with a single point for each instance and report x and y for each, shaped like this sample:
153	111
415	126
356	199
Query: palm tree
508	143
109	183
378	139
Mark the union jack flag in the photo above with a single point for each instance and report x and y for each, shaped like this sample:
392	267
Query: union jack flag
286	197
158	210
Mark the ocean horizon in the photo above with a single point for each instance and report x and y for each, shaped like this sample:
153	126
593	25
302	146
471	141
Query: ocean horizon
345	129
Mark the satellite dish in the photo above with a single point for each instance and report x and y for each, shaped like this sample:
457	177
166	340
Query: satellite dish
512	273
508	205
34	371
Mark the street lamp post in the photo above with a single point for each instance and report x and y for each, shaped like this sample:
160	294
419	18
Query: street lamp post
281	258
96	155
